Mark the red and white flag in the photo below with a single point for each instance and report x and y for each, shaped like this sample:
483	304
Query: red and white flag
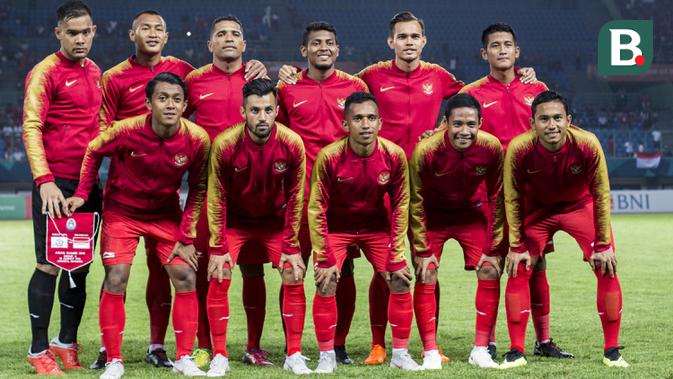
648	160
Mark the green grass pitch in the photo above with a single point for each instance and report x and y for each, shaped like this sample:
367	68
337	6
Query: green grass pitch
644	249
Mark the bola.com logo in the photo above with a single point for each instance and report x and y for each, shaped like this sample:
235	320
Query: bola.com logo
625	47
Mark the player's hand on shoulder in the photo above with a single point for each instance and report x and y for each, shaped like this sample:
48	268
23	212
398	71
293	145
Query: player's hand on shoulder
512	262
216	266
52	199
187	253
255	69
606	260
527	75
71	204
286	74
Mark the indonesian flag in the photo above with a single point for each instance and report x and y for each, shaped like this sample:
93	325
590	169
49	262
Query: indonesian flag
648	160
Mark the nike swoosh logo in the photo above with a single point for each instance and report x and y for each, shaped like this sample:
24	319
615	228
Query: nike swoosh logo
441	173
344	179
384	89
295	105
136	154
486	105
206	95
533	171
133	89
236	169
68	83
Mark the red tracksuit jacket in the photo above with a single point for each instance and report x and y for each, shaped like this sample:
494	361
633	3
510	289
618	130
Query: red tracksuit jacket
124	87
146	171
348	194
444	180
251	186
61	100
561	182
409	102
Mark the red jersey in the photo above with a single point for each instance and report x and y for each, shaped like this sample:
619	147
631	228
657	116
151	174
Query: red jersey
61	100
251	185
124	87
146	171
505	108
409	102
348	194
536	179
444	180
315	110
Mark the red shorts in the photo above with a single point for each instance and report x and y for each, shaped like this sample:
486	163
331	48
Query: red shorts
255	245
541	225
375	245
469	228
503	248
120	235
305	240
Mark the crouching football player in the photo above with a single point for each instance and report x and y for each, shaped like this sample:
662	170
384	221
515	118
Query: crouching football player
556	179
149	156
349	183
256	188
448	172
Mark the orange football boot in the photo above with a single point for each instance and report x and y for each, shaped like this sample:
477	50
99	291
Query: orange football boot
45	364
67	355
377	356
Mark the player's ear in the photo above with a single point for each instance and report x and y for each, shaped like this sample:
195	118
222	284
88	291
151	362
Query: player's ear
244	46
58	32
570	119
148	103
303	51
344	126
132	35
93	30
484	54
165	37
517	52
390	43
210	46
481	121
243	109
532	122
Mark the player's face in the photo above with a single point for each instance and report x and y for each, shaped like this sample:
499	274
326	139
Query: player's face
321	50
227	41
551	124
167	103
260	114
501	51
362	123
149	34
408	41
76	36
463	124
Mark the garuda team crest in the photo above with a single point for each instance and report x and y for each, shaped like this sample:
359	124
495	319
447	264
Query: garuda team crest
280	166
384	177
575	169
180	159
481	170
427	88
341	102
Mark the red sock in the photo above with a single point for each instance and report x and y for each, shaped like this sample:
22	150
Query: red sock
609	304
486	303
158	298
345	297
185	320
424	307
400	314
112	319
202	285
294	313
517	303
378	309
217	305
324	320
254	303
539	303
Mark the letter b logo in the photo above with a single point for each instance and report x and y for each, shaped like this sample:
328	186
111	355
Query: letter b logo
625	47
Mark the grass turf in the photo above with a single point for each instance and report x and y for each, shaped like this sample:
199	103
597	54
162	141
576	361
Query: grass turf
645	268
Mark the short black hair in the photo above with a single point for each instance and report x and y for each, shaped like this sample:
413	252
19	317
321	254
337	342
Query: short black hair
259	87
495	28
146	11
462	100
546	97
228	17
359	98
316	26
165	77
72	9
405	16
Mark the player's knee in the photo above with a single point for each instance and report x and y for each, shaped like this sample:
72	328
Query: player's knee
399	285
292	276
47	268
249	271
329	288
115	281
488	272
183	278
430	277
